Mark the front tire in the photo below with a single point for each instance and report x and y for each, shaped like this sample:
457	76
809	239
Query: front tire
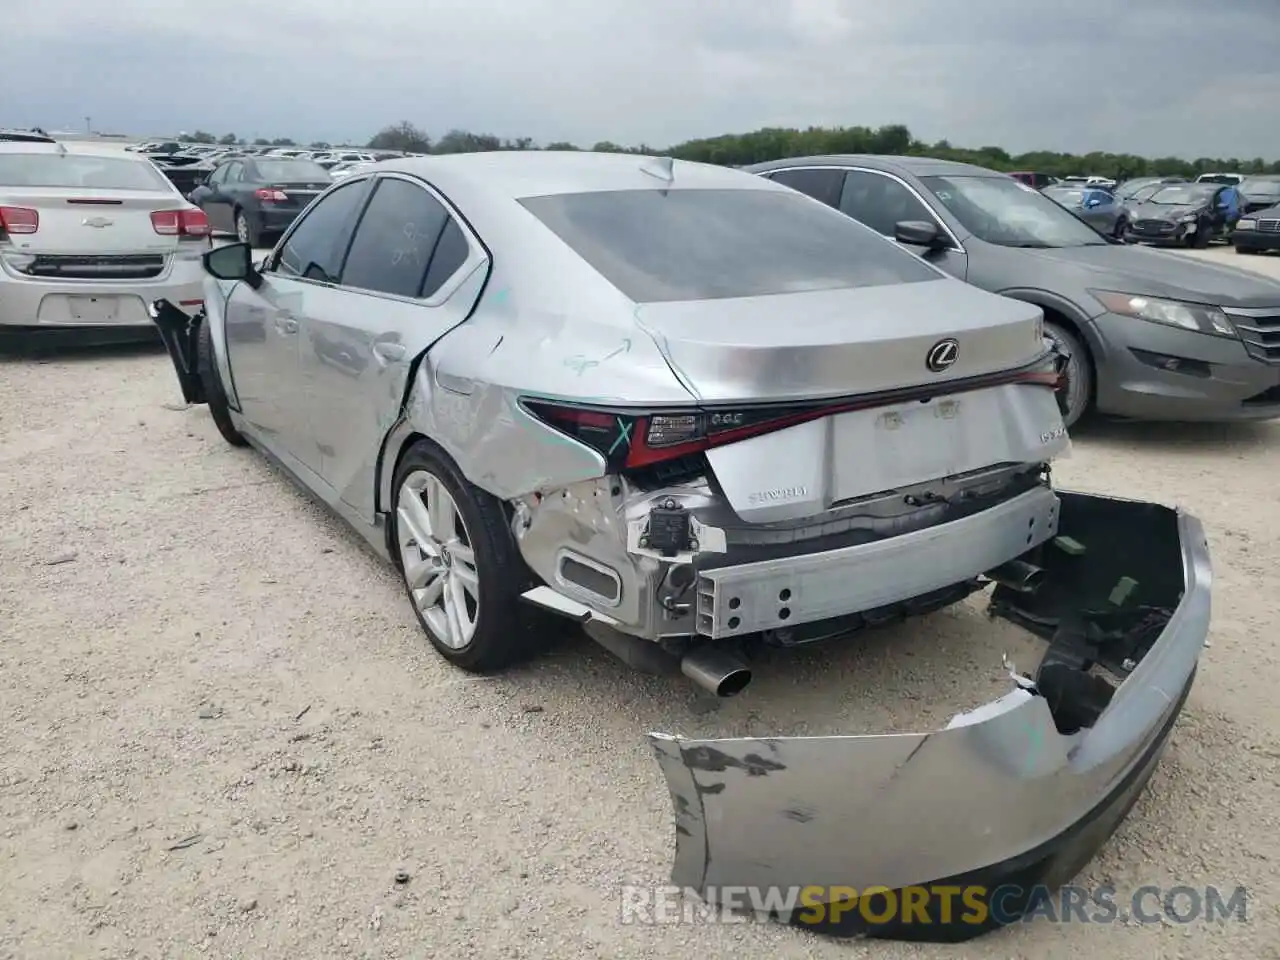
215	395
1121	225
1075	396
461	569
1204	233
1244	249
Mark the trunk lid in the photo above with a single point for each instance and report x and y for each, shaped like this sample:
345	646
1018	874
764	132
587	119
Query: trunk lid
898	418
299	193
838	343
89	221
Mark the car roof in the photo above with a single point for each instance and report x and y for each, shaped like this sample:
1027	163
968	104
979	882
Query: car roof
486	189
80	149
916	166
518	174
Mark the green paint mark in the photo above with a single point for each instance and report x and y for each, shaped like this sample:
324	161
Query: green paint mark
624	436
580	363
1069	545
1121	591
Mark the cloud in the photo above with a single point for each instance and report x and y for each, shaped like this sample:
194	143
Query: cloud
1145	76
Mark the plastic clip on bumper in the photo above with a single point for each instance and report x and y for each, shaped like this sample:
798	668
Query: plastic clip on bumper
1006	798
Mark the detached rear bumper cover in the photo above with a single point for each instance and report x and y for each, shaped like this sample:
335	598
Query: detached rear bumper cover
1020	792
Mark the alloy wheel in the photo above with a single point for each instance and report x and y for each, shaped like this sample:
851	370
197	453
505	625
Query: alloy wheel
242	228
438	560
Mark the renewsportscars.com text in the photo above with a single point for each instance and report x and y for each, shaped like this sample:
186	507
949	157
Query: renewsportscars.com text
935	904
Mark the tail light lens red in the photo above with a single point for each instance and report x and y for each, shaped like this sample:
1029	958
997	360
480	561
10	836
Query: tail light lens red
19	220
629	438
180	223
271	195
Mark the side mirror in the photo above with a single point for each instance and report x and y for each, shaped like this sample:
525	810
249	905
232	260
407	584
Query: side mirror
233	262
919	233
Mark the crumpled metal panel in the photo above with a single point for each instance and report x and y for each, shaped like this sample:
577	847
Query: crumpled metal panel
900	810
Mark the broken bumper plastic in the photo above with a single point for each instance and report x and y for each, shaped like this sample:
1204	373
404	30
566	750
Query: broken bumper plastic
956	828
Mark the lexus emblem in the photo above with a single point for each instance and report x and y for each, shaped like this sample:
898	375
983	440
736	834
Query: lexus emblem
942	355
97	222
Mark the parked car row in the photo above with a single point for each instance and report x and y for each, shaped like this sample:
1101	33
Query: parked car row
1172	210
687	406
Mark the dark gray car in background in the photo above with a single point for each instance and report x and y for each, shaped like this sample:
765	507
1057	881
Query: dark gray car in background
1151	334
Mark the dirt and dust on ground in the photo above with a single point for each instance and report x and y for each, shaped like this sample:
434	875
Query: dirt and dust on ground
222	735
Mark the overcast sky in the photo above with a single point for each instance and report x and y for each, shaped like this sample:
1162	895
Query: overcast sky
1154	77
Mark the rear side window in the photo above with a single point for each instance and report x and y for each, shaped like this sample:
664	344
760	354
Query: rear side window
451	253
395	240
881	202
291	171
822	185
72	171
656	245
316	245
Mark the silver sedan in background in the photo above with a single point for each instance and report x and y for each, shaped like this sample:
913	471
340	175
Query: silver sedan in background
88	238
1096	207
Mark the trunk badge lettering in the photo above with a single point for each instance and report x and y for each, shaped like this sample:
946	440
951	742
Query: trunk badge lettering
97	222
778	495
942	355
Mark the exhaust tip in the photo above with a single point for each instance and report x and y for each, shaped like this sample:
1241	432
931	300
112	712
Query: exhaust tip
1018	575
716	671
734	683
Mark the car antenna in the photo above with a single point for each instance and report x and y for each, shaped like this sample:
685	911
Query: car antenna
664	168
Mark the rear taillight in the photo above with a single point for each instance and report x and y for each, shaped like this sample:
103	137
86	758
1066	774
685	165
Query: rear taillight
629	439
19	220
180	223
269	195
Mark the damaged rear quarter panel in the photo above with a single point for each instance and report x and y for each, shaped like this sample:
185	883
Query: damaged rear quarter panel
465	393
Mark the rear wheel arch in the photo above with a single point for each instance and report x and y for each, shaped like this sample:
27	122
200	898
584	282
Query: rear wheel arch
1071	320
390	467
503	631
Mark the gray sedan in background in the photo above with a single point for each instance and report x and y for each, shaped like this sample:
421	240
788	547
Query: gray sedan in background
1151	335
1093	205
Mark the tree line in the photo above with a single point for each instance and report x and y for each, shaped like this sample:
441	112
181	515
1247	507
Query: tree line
776	143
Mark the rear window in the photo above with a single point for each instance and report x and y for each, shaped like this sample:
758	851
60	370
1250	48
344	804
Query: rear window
75	170
295	171
710	244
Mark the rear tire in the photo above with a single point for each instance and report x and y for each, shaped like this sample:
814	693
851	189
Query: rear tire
215	395
246	232
1243	249
1121	225
1075	397
461	569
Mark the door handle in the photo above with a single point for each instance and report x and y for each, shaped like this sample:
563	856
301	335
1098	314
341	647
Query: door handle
286	325
388	351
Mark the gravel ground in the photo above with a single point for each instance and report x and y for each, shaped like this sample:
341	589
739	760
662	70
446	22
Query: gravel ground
221	733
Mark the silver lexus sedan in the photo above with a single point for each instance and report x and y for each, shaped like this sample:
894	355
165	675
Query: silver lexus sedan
89	237
686	407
